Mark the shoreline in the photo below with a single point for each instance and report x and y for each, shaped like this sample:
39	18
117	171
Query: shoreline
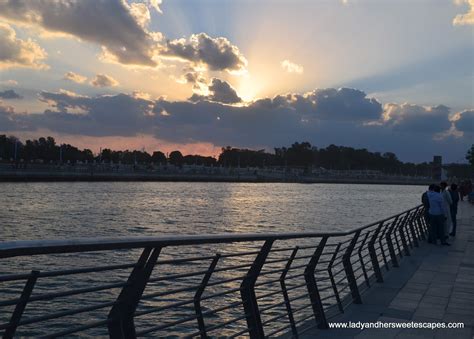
21	176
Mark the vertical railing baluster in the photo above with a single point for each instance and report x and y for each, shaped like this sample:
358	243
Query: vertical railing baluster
121	323
388	239
247	292
21	305
362	259
350	272
285	292
382	249
373	254
331	277
413	231
312	285
401	230
422	225
413	237
198	295
394	232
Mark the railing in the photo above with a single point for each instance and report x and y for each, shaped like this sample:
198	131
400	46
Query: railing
255	285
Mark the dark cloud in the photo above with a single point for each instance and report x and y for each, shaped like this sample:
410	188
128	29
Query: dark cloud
6	118
10	94
357	120
216	53
466	122
106	115
343	104
415	118
13	121
219	91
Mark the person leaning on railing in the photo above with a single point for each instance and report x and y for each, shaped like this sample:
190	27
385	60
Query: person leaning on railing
437	215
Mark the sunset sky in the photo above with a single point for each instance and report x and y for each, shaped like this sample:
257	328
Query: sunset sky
197	75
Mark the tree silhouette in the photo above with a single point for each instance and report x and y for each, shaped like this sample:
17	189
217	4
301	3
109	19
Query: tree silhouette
470	156
176	158
159	158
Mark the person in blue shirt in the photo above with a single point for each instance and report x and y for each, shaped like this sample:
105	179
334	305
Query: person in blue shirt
437	215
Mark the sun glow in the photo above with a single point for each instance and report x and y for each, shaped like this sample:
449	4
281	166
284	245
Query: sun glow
250	88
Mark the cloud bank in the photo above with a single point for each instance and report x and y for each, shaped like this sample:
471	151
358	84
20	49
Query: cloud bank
322	116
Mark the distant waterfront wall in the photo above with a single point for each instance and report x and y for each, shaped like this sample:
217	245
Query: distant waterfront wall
19	175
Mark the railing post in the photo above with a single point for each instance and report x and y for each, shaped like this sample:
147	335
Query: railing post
389	241
247	292
359	251
373	254
198	295
21	305
346	261
383	236
331	276
401	230
285	292
312	286
121	323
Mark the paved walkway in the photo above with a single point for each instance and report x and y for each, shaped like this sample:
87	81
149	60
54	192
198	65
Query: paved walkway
434	284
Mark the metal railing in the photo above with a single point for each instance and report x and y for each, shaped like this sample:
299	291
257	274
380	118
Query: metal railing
255	285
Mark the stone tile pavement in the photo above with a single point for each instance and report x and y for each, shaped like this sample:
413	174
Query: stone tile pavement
434	284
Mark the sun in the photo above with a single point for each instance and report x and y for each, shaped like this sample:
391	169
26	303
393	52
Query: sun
249	87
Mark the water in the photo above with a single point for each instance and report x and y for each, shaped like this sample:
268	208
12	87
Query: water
67	210
71	210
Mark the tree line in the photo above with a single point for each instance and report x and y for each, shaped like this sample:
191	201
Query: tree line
299	155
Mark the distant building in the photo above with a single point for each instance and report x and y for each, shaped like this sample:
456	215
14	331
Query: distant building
436	167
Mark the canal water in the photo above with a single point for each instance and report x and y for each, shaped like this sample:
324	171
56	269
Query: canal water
68	210
76	210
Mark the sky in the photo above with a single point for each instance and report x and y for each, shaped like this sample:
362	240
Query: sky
197	75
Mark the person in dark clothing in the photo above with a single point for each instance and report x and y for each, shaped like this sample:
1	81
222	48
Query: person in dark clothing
426	204
454	207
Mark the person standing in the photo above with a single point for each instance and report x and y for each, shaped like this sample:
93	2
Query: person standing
454	207
448	223
437	214
426	204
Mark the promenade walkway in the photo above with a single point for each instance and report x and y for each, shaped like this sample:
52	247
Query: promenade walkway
434	284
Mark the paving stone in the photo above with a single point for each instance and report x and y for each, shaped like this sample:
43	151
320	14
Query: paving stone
409	296
438	292
453	333
396	313
431	312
